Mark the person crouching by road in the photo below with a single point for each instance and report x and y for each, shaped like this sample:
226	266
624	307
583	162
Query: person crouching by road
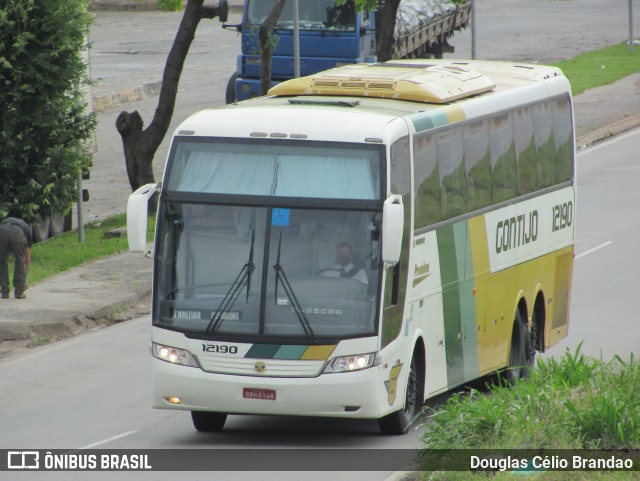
16	238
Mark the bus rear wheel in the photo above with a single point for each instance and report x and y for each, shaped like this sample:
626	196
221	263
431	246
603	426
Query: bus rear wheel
208	422
398	422
520	359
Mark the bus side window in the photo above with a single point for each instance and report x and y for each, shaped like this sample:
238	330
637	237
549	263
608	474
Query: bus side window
545	146
563	134
427	182
503	158
453	179
478	165
396	277
525	150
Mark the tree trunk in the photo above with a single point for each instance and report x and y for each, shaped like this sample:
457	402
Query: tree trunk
386	26
140	145
266	45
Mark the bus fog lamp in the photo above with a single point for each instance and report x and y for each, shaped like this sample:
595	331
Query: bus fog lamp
173	355
352	363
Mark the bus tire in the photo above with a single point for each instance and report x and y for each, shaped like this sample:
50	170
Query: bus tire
208	422
398	422
517	351
230	94
529	350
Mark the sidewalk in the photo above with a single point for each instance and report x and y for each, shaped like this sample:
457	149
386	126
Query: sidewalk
117	288
102	292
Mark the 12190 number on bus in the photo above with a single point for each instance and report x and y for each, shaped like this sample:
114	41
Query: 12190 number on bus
562	216
220	348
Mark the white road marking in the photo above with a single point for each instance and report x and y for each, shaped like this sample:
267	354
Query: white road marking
591	251
108	440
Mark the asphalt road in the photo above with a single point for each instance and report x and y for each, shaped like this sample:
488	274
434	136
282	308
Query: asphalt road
93	391
603	312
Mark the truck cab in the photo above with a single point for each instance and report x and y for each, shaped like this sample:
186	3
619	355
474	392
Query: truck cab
330	35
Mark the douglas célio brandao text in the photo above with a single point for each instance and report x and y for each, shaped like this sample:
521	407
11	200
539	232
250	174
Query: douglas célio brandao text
573	462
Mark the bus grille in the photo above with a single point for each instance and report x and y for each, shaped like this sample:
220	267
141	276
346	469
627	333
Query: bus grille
260	367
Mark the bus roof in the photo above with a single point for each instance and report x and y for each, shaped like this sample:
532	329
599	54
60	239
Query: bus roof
427	93
418	80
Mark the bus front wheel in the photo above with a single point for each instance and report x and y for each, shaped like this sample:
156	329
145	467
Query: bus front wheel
398	422
208	422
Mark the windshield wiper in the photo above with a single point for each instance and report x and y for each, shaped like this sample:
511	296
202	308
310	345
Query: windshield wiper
243	278
297	308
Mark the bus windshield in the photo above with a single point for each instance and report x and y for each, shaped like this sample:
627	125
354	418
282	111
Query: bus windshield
267	272
281	169
312	14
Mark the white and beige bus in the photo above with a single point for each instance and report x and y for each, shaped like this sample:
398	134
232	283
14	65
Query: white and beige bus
362	239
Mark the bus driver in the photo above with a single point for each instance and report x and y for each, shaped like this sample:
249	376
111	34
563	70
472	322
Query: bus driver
345	268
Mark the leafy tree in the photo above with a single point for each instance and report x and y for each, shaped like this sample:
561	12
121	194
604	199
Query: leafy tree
44	123
140	144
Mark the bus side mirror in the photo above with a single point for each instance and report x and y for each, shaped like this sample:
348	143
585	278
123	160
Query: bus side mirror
392	229
137	217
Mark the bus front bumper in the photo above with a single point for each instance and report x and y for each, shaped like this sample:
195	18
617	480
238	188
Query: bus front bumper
349	394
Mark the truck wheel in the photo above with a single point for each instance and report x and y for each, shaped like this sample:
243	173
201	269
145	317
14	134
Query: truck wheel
208	422
230	95
399	422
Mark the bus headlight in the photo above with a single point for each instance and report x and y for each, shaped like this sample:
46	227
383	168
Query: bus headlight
173	355
352	363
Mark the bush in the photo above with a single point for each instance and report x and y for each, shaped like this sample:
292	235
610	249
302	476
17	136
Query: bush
44	123
575	402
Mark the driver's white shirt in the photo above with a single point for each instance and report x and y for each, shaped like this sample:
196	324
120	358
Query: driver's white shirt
360	276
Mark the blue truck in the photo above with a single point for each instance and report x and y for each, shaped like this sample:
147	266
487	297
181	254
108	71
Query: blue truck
332	35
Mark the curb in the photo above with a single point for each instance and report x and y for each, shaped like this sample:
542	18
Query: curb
608	131
235	6
122	5
20	336
102	102
405	476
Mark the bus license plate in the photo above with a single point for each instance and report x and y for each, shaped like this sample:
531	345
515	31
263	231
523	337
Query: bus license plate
266	394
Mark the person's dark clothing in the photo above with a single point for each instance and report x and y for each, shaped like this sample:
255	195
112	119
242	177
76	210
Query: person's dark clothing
16	238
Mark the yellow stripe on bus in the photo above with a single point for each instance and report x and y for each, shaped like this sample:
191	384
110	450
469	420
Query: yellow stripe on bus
318	353
481	268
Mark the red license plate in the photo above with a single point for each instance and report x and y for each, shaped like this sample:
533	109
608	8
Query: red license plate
252	393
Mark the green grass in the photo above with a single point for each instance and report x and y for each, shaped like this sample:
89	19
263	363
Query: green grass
575	402
40	341
64	252
600	67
